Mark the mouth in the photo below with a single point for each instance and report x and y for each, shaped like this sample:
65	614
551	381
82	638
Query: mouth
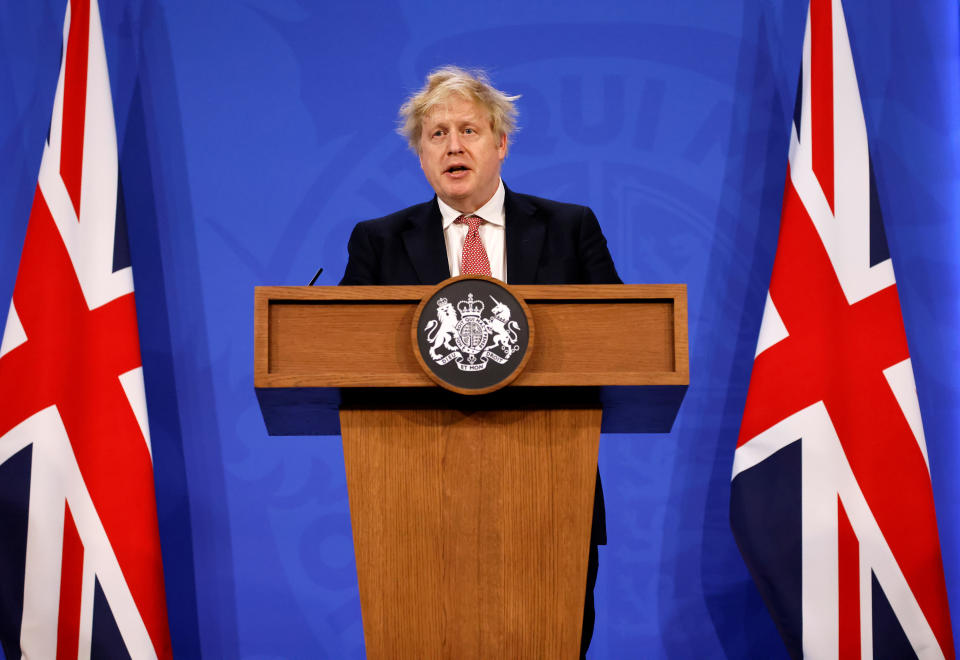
456	169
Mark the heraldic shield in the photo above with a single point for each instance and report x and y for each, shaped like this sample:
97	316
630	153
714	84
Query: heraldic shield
472	335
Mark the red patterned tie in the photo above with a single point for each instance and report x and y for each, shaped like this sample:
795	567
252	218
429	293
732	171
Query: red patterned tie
474	259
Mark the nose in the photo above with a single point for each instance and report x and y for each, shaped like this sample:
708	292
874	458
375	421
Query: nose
453	145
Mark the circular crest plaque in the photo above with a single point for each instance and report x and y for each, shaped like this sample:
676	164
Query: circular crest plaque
472	335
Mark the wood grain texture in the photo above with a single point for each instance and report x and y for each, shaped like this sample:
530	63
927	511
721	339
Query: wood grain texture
471	529
359	336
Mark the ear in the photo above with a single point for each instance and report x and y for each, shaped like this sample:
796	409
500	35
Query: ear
502	147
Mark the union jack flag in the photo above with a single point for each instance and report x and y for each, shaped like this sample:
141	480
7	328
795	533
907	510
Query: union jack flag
831	501
80	565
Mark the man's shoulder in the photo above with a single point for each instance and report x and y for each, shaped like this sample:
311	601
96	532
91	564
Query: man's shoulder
533	205
397	220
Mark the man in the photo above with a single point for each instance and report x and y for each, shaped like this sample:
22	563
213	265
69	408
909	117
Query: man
459	126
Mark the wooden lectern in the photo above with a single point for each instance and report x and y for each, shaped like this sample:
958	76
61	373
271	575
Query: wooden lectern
471	515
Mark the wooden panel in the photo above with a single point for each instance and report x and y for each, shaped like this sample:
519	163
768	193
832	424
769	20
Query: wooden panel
347	342
471	529
359	336
623	342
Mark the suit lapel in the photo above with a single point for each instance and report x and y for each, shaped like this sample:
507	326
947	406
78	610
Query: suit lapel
423	240
525	230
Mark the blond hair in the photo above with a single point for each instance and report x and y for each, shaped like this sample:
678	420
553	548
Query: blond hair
473	85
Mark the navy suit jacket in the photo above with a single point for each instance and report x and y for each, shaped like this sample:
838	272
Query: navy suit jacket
547	242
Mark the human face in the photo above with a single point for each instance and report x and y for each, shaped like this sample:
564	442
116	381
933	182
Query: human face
460	155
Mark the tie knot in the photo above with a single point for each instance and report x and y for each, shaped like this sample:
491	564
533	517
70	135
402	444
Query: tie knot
472	222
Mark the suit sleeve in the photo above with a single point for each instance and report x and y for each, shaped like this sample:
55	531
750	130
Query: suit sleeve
361	259
595	260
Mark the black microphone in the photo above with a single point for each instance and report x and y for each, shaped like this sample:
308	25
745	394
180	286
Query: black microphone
315	277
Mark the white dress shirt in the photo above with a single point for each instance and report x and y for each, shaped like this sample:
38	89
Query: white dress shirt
492	234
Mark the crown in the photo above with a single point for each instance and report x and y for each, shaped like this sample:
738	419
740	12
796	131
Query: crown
470	307
442	302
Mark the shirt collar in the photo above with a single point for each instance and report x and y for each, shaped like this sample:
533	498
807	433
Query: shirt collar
491	212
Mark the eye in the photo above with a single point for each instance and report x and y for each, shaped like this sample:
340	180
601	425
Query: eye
469	131
438	132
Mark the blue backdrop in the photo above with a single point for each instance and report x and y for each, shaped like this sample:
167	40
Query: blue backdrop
253	134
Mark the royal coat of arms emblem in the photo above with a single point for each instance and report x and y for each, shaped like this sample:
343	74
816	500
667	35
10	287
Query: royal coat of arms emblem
491	338
472	334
